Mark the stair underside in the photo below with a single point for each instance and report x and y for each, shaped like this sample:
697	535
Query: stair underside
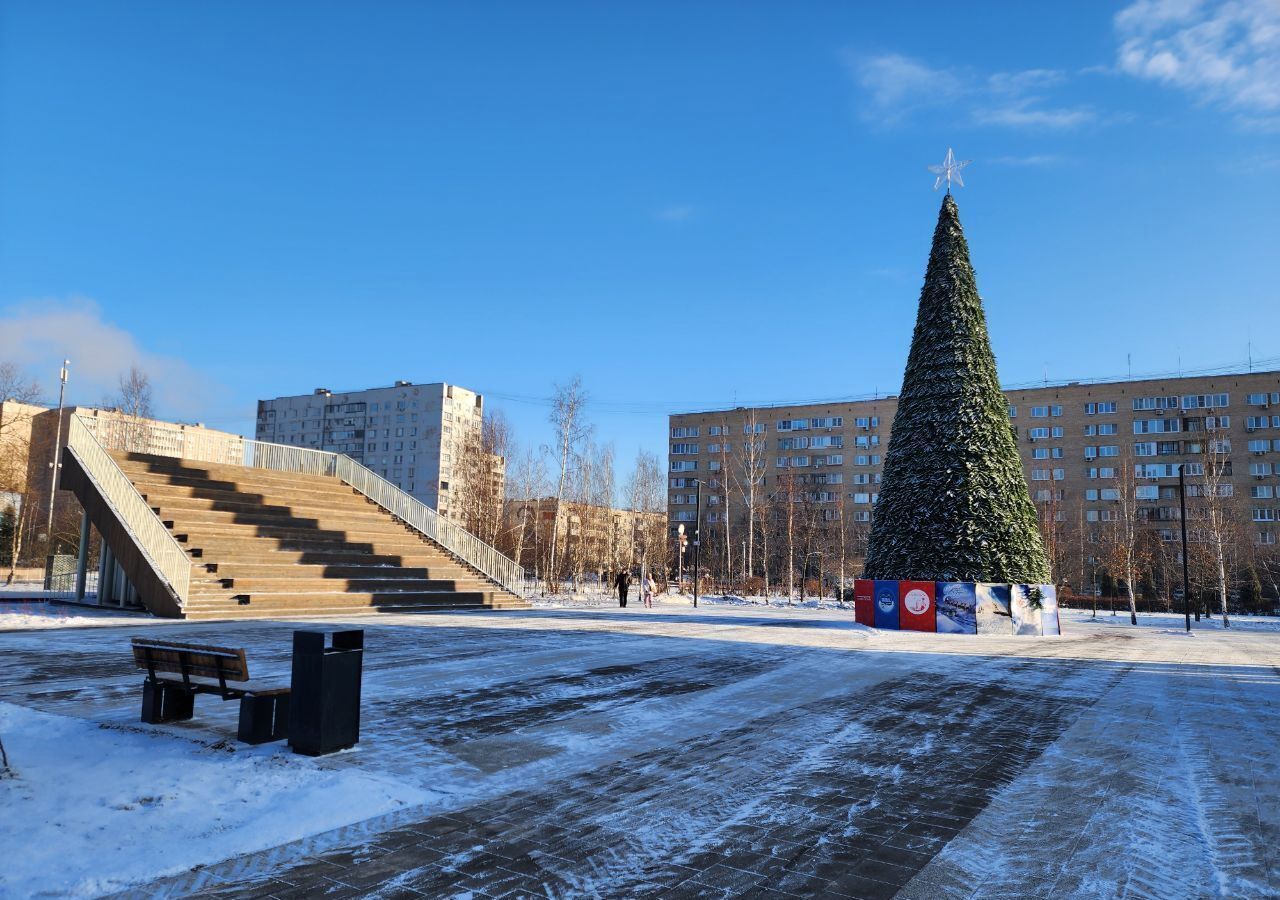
270	544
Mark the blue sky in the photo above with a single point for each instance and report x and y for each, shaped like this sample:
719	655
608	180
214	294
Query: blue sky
688	204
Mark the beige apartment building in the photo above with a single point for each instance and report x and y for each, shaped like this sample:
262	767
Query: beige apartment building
417	436
589	538
1074	438
27	439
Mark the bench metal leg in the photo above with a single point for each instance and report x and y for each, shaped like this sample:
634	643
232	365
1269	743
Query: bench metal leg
264	718
166	703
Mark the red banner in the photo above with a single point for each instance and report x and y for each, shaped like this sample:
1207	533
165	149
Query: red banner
918	610
864	610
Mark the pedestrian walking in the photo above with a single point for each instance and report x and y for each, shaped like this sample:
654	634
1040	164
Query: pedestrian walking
623	582
649	590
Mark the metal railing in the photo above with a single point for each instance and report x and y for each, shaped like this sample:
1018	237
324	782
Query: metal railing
422	518
226	449
162	551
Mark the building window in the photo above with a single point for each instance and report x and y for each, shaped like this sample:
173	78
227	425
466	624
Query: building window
1205	401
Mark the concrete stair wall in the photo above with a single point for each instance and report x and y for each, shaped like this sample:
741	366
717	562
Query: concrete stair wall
272	544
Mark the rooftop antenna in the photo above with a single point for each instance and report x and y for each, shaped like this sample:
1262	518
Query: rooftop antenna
1251	356
1046	374
1129	359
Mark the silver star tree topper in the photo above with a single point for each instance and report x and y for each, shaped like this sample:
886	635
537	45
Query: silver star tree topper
949	171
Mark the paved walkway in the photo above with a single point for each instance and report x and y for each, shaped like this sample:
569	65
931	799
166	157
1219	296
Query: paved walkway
739	752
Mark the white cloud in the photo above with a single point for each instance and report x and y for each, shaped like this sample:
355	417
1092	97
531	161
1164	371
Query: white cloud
38	335
895	87
1225	52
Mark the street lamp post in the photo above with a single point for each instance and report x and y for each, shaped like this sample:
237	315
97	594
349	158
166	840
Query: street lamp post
1182	517
54	463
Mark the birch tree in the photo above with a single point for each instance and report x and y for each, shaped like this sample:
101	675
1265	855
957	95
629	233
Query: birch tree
752	469
1217	507
570	430
527	482
1124	535
725	477
647	497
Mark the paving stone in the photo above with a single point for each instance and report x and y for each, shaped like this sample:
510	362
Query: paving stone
761	765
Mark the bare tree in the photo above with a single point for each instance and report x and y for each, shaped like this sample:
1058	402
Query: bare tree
646	495
20	389
602	500
16	415
134	399
1123	532
528	482
571	429
1217	507
479	466
1267	561
786	495
752	468
725	493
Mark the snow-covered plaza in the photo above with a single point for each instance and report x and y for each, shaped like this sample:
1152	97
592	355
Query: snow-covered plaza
732	750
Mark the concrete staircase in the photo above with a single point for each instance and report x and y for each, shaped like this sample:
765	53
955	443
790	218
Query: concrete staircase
267	544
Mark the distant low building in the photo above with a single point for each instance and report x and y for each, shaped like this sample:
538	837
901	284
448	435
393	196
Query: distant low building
27	436
590	538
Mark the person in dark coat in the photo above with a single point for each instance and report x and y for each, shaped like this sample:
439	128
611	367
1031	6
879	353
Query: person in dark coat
623	582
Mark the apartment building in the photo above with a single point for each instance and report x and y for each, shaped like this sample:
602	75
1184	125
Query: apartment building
413	435
589	536
27	450
1073	438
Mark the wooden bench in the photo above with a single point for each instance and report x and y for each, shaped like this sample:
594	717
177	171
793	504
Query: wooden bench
176	672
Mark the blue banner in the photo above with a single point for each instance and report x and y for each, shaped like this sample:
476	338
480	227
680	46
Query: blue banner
887	604
957	607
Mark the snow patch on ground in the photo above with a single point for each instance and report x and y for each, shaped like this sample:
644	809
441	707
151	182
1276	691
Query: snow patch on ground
593	599
16	616
1171	621
94	808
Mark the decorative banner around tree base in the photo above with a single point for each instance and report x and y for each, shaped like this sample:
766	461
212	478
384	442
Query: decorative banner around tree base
957	607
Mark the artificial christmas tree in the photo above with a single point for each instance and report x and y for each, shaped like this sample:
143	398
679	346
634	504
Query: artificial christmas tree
954	504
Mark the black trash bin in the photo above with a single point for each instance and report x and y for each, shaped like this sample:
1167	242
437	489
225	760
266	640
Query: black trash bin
324	706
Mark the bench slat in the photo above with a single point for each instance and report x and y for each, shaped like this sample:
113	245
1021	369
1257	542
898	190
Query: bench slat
195	659
258	689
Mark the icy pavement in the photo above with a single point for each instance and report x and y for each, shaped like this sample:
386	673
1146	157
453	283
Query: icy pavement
740	750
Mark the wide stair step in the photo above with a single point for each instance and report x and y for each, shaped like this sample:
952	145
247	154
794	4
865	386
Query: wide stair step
267	544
